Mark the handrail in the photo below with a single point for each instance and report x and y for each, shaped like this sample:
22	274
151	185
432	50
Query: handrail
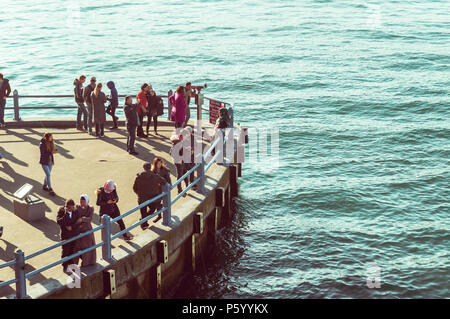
138	207
40	252
21	276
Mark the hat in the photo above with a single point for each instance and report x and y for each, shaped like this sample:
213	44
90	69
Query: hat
175	138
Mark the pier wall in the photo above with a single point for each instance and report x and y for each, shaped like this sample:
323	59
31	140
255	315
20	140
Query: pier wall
142	272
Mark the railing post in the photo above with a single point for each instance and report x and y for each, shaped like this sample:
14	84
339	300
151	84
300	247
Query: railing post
201	173
16	105
106	237
231	115
167	214
169	107
199	102
21	285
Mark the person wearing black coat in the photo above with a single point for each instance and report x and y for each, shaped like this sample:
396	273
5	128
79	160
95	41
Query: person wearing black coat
5	90
148	185
47	149
132	116
69	219
155	106
107	199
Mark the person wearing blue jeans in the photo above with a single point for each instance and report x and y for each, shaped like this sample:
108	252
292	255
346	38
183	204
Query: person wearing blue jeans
78	93
47	149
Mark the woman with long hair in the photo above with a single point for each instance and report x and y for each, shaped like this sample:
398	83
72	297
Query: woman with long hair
159	167
47	149
99	99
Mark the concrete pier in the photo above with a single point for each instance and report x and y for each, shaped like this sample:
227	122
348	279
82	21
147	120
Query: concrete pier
150	266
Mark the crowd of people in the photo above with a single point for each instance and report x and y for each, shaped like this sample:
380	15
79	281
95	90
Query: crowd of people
75	218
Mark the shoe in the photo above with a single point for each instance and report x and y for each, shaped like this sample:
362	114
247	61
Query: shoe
156	133
133	153
52	193
145	226
157	219
113	127
127	237
195	187
45	188
1	231
2	125
116	118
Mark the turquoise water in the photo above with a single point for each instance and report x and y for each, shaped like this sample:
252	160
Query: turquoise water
358	91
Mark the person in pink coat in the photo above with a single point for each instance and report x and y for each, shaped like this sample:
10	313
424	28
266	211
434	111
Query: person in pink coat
178	103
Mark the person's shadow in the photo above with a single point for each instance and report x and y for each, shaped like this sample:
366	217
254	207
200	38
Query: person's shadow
49	227
10	157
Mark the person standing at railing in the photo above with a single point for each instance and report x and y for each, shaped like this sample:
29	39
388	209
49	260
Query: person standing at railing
113	103
78	92
69	220
98	103
188	146
187	99
5	90
147	185
86	212
154	110
107	199
47	149
178	103
176	152
159	167
87	98
133	121
142	110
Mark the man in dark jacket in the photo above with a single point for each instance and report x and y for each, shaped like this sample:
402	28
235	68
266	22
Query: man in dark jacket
5	90
78	93
69	220
147	185
113	103
132	116
87	98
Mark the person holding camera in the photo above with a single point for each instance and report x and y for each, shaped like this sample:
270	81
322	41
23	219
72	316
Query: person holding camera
107	199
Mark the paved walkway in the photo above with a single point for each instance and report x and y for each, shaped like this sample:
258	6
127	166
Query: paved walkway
82	164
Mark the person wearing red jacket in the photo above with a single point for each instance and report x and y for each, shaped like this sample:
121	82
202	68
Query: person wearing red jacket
143	108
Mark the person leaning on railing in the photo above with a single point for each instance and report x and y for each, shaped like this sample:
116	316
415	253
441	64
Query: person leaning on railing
87	98
5	90
107	199
78	92
69	220
148	185
86	212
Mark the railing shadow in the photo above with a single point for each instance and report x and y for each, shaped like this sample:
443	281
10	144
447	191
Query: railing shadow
48	227
10	157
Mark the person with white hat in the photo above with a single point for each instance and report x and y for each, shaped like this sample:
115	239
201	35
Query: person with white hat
107	199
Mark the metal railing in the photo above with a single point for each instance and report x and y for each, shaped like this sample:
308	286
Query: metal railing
17	107
201	167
